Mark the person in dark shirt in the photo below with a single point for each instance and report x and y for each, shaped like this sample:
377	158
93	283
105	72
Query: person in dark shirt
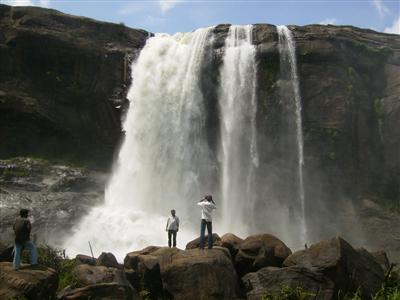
22	229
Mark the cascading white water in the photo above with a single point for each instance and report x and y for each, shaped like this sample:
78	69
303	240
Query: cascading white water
164	157
166	162
287	51
239	157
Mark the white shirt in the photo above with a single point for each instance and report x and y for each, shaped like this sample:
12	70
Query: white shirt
173	223
206	210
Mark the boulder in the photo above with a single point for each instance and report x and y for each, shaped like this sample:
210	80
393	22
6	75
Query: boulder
382	259
231	242
200	274
145	269
184	274
6	252
34	283
100	291
347	268
85	259
271	280
98	282
87	275
107	260
196	242
258	251
131	259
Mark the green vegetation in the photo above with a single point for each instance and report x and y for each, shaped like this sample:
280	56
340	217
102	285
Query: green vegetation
65	275
14	172
363	47
379	107
145	295
18	167
54	258
351	72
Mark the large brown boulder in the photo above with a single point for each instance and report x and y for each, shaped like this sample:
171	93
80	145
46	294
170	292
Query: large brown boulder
347	268
143	270
231	242
200	274
258	251
98	282
271	280
34	283
85	259
87	275
107	259
100	291
185	274
196	242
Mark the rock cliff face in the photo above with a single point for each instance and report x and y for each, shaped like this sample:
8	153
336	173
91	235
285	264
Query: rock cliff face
63	80
350	90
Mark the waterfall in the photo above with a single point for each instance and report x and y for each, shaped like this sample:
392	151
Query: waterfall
239	157
168	160
287	52
165	162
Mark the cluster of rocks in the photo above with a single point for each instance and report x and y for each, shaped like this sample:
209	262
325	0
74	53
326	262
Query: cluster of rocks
233	269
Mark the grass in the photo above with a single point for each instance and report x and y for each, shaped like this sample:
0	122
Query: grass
54	258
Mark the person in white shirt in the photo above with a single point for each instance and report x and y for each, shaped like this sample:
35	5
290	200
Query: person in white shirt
172	228
207	206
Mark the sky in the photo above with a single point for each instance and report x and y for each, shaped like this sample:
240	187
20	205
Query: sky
173	16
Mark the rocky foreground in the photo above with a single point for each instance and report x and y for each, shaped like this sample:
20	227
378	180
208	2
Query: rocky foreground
253	268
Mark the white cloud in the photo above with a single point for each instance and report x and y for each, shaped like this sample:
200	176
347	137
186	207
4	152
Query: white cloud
44	3
395	28
327	21
166	5
380	7
18	2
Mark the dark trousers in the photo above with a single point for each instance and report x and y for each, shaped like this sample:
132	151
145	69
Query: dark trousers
173	234
203	226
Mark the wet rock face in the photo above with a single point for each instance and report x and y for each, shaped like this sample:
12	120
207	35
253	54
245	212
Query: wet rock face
348	86
57	195
62	84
